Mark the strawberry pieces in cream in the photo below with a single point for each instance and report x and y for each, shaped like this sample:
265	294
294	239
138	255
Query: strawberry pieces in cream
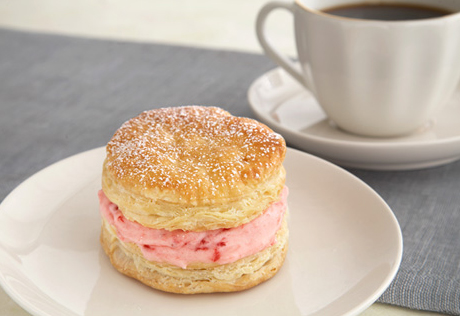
180	248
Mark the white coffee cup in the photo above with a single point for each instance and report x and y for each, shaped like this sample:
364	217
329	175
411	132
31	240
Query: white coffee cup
373	78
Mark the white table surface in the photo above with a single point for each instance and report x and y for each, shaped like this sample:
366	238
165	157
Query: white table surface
204	23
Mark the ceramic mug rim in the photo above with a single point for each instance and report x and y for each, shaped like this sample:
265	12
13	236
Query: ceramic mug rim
305	7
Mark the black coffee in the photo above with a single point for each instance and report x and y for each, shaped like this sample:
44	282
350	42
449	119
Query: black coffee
387	12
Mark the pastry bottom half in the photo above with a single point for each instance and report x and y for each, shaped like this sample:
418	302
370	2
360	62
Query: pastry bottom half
197	278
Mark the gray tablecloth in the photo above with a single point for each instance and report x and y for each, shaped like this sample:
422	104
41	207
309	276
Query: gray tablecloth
61	95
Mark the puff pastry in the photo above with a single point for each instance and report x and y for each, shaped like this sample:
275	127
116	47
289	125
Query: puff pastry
180	185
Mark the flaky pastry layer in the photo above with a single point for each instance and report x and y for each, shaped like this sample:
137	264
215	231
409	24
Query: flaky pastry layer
197	278
159	213
193	168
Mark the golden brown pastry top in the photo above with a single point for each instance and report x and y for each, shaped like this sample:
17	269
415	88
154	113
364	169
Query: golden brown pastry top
202	154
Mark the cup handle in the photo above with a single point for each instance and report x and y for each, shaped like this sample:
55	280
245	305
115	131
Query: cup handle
272	52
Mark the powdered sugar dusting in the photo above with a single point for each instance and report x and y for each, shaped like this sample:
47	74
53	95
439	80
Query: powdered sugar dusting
193	149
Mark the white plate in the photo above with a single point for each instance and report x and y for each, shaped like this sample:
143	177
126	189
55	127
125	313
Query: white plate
345	248
281	103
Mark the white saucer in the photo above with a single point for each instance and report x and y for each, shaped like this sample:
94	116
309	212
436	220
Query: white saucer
343	251
289	109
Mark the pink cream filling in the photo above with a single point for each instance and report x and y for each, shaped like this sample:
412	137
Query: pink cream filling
181	248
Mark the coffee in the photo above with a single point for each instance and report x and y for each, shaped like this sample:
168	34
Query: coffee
387	12
375	78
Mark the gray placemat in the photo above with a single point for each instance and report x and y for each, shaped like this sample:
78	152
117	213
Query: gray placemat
62	95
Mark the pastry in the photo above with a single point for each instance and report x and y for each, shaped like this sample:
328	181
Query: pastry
193	200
